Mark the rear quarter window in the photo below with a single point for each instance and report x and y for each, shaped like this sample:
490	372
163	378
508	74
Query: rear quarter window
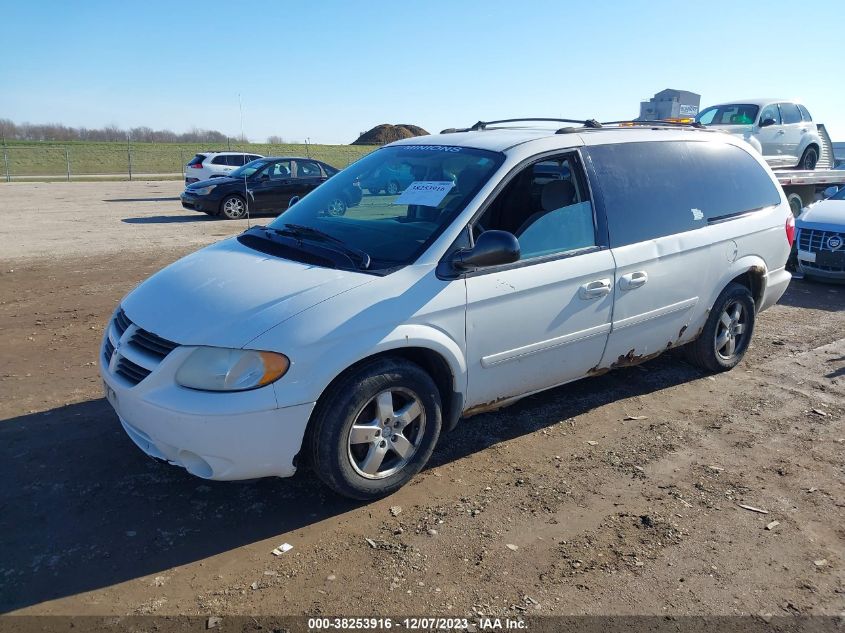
653	189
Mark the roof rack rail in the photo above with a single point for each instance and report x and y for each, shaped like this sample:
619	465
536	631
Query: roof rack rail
481	125
693	124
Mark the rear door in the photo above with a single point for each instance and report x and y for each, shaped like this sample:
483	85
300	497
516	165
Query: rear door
671	208
308	176
649	192
794	130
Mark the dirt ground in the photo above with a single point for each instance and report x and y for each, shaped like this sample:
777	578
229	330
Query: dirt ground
613	495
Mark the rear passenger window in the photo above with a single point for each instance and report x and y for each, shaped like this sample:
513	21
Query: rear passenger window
654	189
235	160
790	113
220	160
805	114
308	169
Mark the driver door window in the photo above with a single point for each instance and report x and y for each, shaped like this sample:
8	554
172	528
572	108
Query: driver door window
546	207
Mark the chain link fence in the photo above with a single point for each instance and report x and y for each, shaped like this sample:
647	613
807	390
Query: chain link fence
81	161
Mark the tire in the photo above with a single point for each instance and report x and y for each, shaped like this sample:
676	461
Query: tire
809	158
233	207
392	188
336	208
721	345
366	464
374	191
796	204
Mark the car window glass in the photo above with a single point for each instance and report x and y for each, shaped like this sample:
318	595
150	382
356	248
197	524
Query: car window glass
546	207
790	113
653	189
197	160
308	169
805	114
219	160
280	170
771	112
235	160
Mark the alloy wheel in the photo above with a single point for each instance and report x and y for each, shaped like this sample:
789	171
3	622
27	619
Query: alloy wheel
386	433
730	331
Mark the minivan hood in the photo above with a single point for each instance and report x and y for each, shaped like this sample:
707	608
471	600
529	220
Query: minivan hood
827	212
227	294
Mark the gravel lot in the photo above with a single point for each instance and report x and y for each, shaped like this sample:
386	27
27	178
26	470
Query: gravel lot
614	495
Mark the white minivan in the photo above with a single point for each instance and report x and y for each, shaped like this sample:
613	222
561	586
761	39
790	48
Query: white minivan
518	259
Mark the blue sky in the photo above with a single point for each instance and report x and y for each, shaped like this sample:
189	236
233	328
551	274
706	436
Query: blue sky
328	70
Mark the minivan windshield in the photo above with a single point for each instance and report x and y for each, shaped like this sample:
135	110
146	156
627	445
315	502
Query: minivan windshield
420	190
248	170
729	114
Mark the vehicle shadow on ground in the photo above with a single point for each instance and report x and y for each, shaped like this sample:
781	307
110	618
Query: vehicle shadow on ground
82	508
168	199
815	295
170	219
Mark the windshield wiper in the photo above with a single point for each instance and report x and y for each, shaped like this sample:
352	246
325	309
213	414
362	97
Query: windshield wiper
300	230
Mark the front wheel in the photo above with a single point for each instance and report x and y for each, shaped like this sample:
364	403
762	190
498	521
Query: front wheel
392	188
727	333
375	429
233	207
809	158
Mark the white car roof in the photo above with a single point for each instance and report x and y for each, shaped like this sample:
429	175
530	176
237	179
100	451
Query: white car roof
503	139
758	102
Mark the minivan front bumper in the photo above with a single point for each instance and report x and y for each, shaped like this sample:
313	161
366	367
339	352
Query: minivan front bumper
205	438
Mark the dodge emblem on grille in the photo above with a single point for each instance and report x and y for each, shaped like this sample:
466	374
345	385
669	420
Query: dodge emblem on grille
834	242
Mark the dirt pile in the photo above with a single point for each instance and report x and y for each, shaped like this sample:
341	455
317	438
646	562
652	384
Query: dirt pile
387	133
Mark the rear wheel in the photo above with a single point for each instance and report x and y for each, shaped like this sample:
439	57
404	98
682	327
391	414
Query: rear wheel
809	158
233	207
392	188
374	191
795	203
375	429
727	333
336	208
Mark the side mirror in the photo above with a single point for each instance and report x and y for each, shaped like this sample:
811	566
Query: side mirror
492	248
767	122
293	201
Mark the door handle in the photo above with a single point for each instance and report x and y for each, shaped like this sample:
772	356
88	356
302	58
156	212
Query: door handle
595	289
633	280
780	132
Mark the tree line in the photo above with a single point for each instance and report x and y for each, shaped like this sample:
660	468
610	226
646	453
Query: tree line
10	131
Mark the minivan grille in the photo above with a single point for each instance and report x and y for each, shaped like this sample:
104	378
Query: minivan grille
155	345
138	351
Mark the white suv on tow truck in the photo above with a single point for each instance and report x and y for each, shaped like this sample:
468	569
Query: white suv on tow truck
517	260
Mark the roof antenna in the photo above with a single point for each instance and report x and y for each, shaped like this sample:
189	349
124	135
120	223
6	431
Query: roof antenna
246	189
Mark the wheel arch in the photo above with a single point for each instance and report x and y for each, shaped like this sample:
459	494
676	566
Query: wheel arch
750	272
434	352
236	194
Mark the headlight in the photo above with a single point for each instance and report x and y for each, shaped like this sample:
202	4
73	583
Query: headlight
220	369
204	191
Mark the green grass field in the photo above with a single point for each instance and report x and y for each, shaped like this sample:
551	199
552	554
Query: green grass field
26	160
